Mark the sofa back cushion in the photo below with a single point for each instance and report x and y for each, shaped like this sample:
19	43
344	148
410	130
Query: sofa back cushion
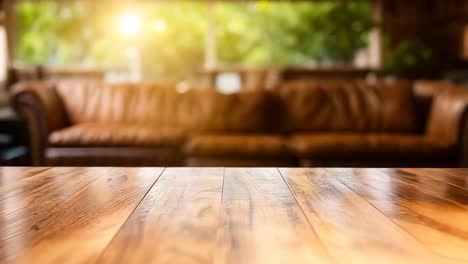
199	110
209	111
297	107
98	102
354	106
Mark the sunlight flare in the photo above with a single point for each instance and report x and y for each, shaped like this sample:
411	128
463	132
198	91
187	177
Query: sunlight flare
129	24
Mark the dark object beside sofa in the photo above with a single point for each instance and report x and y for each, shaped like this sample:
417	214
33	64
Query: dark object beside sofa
89	123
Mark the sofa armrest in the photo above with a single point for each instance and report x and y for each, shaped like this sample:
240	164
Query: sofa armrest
463	148
447	115
43	110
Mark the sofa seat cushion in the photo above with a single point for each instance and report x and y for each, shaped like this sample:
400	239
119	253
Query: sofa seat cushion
238	145
117	135
336	145
237	161
114	156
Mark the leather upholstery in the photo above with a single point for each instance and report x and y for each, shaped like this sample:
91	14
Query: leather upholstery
209	111
117	135
234	161
370	146
349	107
98	102
463	144
447	111
339	123
202	110
379	162
237	145
113	156
429	89
42	108
424	92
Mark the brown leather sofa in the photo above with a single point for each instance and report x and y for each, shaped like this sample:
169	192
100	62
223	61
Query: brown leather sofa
87	123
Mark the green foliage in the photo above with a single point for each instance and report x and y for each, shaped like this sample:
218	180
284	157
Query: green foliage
52	33
180	48
410	59
282	33
261	33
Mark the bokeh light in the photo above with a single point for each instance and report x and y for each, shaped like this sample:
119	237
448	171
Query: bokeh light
159	25
129	24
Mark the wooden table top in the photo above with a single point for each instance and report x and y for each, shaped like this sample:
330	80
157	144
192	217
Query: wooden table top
233	215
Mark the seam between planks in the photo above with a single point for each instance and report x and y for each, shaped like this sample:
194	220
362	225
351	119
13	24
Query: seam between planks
221	198
393	222
219	224
131	213
327	251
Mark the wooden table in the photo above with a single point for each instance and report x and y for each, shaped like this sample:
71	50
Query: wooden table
233	215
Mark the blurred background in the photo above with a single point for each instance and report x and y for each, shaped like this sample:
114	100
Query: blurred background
228	46
181	39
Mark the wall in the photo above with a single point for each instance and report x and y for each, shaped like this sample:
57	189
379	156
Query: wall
437	24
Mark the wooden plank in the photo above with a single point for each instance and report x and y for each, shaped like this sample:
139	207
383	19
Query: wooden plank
457	177
87	208
433	186
347	224
261	221
175	223
33	191
437	222
24	197
13	175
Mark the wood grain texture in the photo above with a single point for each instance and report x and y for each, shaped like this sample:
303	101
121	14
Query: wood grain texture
261	222
69	215
428	210
26	199
332	208
12	175
175	223
233	215
457	177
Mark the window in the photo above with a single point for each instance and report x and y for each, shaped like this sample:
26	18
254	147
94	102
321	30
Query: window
268	33
175	40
